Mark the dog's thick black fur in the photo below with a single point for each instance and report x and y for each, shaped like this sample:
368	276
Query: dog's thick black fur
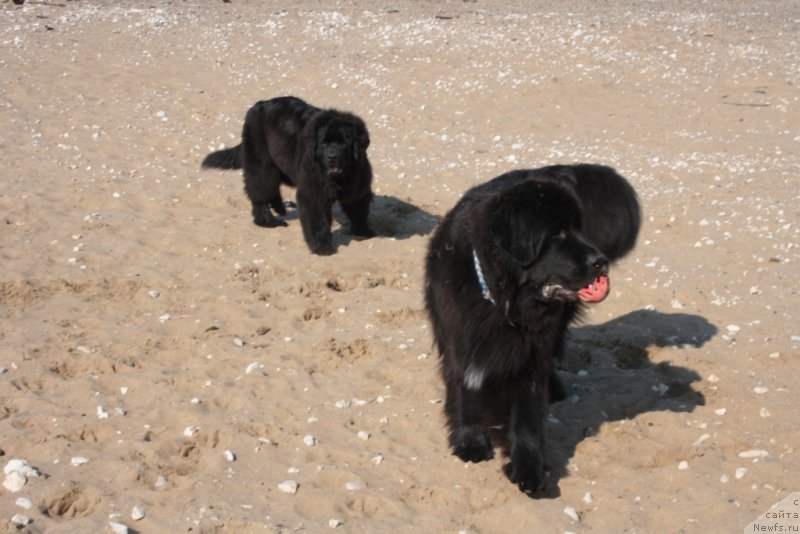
322	152
542	241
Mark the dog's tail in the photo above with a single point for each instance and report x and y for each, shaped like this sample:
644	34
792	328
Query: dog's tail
228	158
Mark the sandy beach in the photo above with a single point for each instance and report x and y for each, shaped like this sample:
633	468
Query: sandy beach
168	366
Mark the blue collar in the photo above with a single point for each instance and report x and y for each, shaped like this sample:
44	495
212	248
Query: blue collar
485	291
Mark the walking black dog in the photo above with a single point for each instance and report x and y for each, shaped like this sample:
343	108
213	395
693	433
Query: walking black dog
322	152
507	270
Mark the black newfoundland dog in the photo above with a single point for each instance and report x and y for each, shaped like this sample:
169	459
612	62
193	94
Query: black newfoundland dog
507	270
322	152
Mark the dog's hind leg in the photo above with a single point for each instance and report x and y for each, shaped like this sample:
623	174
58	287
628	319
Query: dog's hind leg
276	202
555	388
262	178
263	190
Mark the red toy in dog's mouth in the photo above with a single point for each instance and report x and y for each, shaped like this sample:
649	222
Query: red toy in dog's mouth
596	291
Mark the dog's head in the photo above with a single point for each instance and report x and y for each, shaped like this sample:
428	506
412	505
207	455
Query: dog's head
534	229
339	142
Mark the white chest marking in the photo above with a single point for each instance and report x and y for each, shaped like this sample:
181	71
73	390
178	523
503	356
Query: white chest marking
474	377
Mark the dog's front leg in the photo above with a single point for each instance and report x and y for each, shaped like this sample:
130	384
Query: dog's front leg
315	216
357	213
526	437
468	438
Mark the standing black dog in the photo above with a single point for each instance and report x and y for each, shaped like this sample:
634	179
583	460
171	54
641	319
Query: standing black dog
321	152
507	270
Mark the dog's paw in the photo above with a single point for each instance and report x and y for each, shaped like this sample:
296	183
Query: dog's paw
472	444
279	206
270	223
264	218
323	250
556	389
362	232
527	472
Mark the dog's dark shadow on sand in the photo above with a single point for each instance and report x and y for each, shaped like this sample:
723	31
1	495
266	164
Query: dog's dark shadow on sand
608	373
388	217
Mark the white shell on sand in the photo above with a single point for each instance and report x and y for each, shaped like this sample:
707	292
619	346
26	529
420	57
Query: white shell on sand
24	502
353	485
118	528
288	486
572	513
754	453
78	460
20	520
333	523
15	465
309	440
21	466
229	455
137	513
253	367
15	481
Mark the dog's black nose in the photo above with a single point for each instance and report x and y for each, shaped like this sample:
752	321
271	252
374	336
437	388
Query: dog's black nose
599	263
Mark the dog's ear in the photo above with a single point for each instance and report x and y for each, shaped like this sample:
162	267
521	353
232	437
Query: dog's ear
361	141
312	134
565	175
513	233
611	211
522	218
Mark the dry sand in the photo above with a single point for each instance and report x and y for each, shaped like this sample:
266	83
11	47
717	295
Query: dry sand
147	326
